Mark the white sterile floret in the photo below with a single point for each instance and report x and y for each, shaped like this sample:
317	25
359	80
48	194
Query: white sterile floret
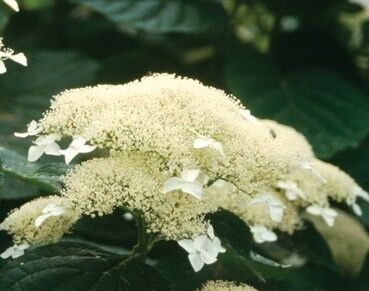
50	210
12	4
204	142
328	214
187	183
14	251
291	190
77	146
307	166
275	206
246	114
6	53
351	199
261	234
44	145
32	129
198	251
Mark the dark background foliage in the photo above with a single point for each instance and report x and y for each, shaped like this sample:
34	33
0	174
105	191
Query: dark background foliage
313	77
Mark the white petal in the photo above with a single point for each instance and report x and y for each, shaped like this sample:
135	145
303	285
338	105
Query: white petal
69	154
291	195
41	219
21	134
23	246
35	152
246	114
17	253
57	211
217	244
314	209
19	58
194	189
78	142
190	175
200	242
188	245
201	142
2	67
218	147
208	258
269	236
87	149
196	262
49	208
262	234
329	220
52	149
276	213
210	231
357	210
128	216
12	4
171	184
7	253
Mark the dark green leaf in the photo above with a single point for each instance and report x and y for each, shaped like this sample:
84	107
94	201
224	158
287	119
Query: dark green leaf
69	266
50	73
161	16
319	103
44	176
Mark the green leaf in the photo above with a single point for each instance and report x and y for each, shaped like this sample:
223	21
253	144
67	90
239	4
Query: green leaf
69	266
161	16
44	176
319	103
50	72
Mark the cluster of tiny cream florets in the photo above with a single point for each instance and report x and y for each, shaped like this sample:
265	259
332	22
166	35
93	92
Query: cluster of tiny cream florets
134	182
174	150
32	225
226	286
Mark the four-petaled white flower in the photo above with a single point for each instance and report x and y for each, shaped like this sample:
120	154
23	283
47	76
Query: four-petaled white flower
32	129
275	206
328	214
187	183
204	249
204	142
12	4
291	189
307	166
351	199
261	234
6	53
198	252
44	145
246	114
14	251
50	210
77	146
